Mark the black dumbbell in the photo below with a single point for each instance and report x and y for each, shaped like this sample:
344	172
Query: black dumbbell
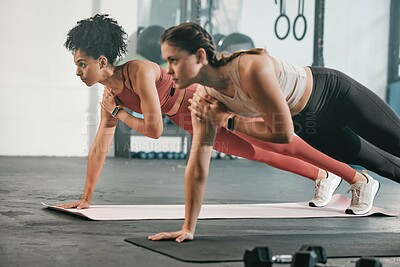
262	256
169	155
319	250
305	259
141	155
159	155
151	155
368	262
182	155
309	258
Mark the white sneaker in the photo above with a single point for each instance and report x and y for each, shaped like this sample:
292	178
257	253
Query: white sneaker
362	196
324	189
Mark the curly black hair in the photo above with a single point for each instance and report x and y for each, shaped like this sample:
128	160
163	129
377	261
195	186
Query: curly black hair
96	36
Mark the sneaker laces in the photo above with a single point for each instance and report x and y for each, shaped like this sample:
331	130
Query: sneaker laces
317	186
355	193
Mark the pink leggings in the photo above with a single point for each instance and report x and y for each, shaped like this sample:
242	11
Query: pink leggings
297	157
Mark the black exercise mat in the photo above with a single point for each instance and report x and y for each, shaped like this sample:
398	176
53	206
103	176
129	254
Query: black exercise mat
211	249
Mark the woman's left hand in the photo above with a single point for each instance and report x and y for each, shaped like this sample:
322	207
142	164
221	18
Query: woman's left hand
179	236
108	101
207	108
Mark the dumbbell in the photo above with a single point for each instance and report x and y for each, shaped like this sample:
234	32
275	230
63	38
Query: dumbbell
169	155
151	155
262	256
160	155
182	155
368	262
309	258
141	155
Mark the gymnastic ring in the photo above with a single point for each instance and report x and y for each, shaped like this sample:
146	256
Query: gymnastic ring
294	27
276	26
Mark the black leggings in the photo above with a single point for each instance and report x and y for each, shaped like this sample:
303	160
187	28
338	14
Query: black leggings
349	122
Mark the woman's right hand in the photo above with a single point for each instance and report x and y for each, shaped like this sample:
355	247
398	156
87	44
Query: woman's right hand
206	108
179	236
82	204
108	101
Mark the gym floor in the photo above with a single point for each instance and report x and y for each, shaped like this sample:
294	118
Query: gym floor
31	235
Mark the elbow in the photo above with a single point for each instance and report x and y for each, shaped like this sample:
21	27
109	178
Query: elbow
200	176
97	151
284	138
198	179
287	138
155	133
197	174
284	135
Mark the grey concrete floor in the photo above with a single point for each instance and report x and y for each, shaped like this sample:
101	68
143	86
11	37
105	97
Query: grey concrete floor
33	236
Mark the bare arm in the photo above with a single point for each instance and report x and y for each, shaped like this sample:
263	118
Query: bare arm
145	76
144	80
197	171
259	81
96	158
195	180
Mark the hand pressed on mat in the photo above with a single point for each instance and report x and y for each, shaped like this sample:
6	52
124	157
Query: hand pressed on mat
179	236
82	204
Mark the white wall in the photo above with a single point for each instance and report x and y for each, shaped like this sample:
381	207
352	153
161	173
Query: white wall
355	39
46	109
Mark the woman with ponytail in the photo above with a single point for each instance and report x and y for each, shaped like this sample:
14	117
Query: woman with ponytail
252	93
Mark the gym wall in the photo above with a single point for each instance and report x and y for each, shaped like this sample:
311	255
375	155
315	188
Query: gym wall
47	111
356	36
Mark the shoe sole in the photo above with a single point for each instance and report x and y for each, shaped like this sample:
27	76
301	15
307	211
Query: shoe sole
349	211
312	204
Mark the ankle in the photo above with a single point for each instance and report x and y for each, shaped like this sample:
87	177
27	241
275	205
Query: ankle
322	174
359	178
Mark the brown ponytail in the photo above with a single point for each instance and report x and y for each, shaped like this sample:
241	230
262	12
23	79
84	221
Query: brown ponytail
224	58
190	36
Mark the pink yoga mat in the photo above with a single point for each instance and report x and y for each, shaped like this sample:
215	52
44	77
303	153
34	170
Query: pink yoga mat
336	208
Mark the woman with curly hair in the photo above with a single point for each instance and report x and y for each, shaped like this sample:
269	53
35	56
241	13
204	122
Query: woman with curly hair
144	87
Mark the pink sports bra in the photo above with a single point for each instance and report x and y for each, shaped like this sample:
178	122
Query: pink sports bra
165	89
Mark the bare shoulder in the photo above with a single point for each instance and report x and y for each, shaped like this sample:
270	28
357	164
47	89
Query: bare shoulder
258	75
139	72
251	65
140	67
